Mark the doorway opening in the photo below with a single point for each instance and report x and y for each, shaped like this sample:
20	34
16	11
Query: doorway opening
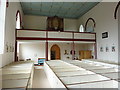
55	52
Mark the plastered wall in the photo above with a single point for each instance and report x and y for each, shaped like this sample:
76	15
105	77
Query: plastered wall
37	50
118	17
9	37
103	14
39	22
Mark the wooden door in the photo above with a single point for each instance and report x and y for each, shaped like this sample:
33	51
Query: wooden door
55	48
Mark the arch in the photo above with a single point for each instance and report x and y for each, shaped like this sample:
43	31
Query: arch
55	52
116	9
18	20
88	21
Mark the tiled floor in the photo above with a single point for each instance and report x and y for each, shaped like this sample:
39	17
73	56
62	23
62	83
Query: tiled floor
39	79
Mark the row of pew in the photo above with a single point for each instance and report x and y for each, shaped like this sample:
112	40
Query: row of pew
82	74
17	75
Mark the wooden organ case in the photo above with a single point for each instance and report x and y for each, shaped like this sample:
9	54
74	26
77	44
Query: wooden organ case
55	23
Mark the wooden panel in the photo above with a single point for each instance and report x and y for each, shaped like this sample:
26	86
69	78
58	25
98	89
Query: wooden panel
85	54
84	36
59	35
81	54
23	33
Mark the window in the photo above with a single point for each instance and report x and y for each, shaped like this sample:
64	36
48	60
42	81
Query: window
2	24
90	25
18	20
81	29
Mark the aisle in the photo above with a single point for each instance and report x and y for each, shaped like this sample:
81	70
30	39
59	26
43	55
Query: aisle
39	79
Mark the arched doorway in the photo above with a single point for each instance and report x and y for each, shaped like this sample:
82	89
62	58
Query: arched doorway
55	52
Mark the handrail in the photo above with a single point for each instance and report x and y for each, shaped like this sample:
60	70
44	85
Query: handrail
54	39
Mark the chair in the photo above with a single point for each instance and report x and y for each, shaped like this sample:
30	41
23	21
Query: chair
41	61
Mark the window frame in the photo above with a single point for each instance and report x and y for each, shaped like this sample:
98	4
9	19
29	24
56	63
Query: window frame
81	26
18	13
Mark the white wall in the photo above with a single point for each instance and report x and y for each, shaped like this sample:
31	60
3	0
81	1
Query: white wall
103	14
2	28
118	34
68	47
35	22
39	22
10	25
35	50
63	47
2	25
70	25
31	50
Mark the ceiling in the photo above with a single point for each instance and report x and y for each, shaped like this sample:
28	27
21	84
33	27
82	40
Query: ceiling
62	9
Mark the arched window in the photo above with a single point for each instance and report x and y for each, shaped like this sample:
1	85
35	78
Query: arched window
18	20
91	24
81	29
116	9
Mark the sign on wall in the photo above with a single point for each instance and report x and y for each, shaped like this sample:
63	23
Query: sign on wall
104	35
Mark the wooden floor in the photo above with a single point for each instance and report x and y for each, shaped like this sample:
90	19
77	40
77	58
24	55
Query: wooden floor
39	79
